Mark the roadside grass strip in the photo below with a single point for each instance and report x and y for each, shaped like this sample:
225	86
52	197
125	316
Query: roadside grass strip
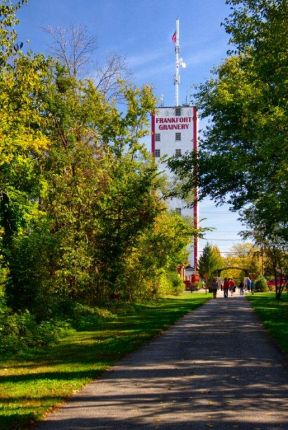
274	316
34	382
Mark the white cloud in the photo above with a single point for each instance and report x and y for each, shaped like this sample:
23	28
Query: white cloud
208	55
137	61
152	71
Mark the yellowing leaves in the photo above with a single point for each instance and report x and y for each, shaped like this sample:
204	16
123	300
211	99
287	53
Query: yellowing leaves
36	143
22	123
12	147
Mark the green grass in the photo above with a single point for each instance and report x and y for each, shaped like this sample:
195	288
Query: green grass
33	383
274	315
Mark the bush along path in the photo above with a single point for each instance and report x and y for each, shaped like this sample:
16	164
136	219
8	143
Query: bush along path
216	368
35	381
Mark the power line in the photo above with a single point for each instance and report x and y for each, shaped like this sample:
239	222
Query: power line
222	240
215	212
223	231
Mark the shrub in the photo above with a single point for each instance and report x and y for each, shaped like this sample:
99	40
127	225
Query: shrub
19	331
171	283
261	284
199	285
87	317
178	285
28	286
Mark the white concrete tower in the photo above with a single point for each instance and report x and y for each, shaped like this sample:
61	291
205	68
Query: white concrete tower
174	131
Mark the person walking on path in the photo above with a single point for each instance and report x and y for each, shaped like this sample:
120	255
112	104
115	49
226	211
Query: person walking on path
215	368
248	284
232	286
214	287
226	287
241	287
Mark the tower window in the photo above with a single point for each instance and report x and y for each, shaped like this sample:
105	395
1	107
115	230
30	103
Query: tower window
178	152
177	136
157	137
178	111
157	152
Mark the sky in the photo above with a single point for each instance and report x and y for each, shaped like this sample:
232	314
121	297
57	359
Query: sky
141	31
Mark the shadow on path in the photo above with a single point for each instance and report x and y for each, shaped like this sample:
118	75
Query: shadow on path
216	368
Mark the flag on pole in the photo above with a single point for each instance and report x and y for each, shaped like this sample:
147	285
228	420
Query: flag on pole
174	37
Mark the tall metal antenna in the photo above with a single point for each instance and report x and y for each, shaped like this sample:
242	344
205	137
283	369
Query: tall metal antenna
178	61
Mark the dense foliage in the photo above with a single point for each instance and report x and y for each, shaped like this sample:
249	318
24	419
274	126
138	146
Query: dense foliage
261	284
246	103
209	262
244	258
243	158
81	218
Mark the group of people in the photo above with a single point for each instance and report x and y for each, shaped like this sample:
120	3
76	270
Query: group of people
230	285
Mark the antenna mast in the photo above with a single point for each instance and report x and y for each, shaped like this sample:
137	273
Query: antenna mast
178	62
177	69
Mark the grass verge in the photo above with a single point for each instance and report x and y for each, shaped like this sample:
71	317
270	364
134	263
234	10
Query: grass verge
34	382
274	316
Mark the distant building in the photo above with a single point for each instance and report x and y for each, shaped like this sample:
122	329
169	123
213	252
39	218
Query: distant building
173	133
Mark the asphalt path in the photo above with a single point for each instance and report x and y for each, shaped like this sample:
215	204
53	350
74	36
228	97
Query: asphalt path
214	369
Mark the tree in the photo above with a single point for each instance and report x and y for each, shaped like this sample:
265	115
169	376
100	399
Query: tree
74	47
23	143
77	187
8	35
244	256
157	253
209	262
79	201
273	247
101	185
109	76
246	102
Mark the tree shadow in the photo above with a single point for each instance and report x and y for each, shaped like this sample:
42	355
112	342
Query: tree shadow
215	369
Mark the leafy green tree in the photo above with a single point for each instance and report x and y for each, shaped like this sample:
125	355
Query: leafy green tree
245	256
209	262
23	78
157	253
128	209
273	248
243	158
77	187
8	35
79	203
277	259
100	185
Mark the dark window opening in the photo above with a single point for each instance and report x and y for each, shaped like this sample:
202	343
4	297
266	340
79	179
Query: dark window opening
178	111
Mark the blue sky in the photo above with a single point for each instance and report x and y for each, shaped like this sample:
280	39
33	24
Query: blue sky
140	31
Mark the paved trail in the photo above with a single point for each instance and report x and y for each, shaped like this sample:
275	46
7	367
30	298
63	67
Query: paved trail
215	369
